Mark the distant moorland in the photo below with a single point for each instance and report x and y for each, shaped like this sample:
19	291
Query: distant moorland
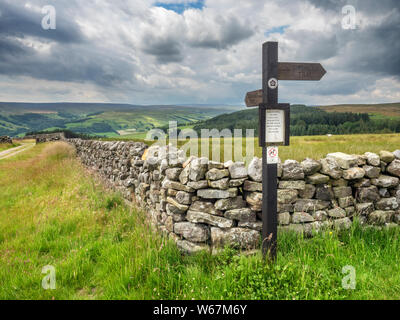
306	121
384	109
134	121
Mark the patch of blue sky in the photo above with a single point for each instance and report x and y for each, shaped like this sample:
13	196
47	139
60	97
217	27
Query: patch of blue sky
180	7
280	30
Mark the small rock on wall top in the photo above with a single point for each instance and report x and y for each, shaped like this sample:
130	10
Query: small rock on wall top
394	168
255	169
292	170
238	170
345	161
386	156
310	166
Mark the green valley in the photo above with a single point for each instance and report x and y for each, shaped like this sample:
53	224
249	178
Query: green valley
109	120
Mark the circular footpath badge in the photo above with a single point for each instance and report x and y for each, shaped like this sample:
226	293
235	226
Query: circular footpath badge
273	83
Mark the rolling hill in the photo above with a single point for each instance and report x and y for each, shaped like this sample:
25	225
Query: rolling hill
383	109
110	120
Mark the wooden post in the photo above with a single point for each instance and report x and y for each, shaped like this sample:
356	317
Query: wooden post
269	171
267	99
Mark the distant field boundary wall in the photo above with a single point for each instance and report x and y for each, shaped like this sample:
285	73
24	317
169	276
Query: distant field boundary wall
46	137
5	139
205	205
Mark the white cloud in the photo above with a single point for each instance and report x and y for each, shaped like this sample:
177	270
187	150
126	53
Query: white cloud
134	52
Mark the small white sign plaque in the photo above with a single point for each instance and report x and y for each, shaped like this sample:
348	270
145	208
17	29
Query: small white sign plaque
275	126
272	155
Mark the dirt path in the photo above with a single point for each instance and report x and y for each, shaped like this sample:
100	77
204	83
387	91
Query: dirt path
14	151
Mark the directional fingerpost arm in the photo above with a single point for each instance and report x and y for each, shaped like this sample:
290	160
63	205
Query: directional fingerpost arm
289	71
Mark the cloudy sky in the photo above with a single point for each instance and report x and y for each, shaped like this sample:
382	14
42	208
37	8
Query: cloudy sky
195	51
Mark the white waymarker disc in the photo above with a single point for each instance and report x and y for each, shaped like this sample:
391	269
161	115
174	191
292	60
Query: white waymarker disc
273	83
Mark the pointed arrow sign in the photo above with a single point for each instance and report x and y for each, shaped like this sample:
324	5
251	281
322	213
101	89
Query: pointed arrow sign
254	98
289	71
300	71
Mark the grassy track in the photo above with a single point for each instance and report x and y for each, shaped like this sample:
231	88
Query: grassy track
6	146
53	213
12	152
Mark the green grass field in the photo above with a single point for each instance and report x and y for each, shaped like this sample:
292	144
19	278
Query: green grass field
316	147
52	212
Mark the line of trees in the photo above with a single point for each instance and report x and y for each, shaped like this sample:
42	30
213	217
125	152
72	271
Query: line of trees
306	121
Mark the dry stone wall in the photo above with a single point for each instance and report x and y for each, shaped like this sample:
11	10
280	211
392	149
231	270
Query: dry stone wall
5	139
206	205
47	137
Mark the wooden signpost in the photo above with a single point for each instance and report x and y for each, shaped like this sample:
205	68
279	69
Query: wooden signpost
289	71
274	130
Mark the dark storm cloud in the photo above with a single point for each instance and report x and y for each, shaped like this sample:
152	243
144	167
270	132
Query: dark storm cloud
8	48
226	32
72	56
18	21
366	6
372	48
375	49
232	32
331	4
65	63
165	50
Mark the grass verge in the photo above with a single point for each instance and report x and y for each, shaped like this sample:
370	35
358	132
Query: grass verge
53	213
